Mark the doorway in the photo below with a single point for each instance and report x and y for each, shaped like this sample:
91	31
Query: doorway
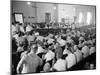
47	17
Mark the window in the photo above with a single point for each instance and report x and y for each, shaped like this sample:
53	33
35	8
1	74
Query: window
80	17
89	16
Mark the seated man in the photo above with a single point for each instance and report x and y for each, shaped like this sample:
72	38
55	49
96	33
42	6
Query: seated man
58	51
85	50
21	27
29	28
30	62
71	60
60	64
40	51
78	54
49	55
66	51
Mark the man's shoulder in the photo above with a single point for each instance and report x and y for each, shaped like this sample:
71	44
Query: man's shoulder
24	57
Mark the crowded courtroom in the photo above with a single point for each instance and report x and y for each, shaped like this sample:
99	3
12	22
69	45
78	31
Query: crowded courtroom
52	37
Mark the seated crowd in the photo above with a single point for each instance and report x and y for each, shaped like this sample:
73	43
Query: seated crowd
35	53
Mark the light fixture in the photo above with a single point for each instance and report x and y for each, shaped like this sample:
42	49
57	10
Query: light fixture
28	3
74	9
54	7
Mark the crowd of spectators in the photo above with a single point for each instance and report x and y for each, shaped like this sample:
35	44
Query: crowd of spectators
35	53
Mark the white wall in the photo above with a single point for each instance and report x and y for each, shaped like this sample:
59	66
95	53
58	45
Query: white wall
84	10
43	8
27	10
61	11
65	11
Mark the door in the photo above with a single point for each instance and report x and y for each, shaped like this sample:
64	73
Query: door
47	17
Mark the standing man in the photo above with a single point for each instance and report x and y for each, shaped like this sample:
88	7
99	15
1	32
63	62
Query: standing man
30	62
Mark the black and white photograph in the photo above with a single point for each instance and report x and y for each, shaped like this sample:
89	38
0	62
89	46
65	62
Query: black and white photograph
48	37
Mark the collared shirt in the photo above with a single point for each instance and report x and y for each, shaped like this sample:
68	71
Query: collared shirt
70	41
50	41
71	60
81	38
28	28
49	55
13	28
20	49
90	42
40	50
75	47
60	65
22	29
78	33
78	54
92	50
66	52
85	51
62	42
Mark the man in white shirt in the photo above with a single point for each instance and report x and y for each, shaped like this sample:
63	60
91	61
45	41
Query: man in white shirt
20	49
92	50
61	42
50	35
66	51
85	51
28	28
50	41
49	55
78	54
22	28
71	60
60	65
40	49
